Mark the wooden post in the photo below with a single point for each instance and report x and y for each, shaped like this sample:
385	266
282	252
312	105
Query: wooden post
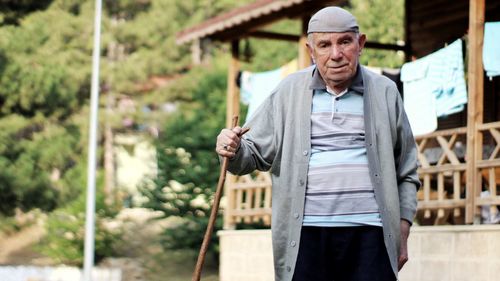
475	105
408	45
196	52
233	93
233	108
304	58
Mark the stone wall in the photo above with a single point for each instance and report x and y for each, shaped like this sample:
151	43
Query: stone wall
246	255
453	253
61	273
437	253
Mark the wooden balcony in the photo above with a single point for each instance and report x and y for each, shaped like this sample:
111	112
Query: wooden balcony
442	169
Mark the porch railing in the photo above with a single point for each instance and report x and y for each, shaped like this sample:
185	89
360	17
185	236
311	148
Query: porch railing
248	199
442	170
442	167
489	169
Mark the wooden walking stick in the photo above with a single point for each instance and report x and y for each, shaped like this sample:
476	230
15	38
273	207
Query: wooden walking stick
213	213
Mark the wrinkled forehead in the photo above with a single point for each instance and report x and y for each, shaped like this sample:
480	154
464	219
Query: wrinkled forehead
334	36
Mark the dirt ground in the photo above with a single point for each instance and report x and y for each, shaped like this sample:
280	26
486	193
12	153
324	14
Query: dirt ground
142	258
17	249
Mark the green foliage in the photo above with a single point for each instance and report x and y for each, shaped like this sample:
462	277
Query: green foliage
149	38
126	9
44	84
12	10
33	156
45	67
72	6
271	54
382	21
8	226
64	242
188	166
189	233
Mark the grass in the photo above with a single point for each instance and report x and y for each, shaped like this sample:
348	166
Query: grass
8	226
142	246
142	242
177	265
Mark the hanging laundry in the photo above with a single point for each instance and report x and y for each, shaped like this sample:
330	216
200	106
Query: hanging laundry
419	100
256	87
491	49
440	73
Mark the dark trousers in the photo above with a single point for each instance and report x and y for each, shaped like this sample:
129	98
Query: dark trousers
342	254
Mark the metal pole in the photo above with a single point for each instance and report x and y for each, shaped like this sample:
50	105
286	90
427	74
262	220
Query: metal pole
88	263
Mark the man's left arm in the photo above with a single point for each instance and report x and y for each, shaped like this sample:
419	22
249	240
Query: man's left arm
405	155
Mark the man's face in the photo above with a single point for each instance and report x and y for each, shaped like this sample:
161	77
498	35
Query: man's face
336	56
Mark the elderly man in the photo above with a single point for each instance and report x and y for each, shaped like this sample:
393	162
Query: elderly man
343	162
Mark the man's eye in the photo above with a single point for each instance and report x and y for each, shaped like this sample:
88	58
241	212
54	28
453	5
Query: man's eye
346	42
325	44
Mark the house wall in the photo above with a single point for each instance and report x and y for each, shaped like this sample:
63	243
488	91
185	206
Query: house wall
440	253
135	160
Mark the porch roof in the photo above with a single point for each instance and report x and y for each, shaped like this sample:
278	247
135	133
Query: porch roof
243	20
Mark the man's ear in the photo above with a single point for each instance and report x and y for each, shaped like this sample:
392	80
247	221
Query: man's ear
309	48
311	51
361	41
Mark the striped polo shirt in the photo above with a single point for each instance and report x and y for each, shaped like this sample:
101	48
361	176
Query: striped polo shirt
339	190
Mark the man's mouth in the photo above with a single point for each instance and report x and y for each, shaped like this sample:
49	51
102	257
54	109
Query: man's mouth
337	66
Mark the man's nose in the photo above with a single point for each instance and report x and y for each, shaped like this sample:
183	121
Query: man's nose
336	52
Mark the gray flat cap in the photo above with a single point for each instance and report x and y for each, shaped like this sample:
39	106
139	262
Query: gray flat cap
332	19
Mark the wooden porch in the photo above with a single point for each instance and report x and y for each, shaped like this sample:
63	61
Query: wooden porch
456	164
442	199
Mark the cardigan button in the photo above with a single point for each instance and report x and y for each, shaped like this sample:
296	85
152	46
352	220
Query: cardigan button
305	152
296	215
288	268
293	243
301	182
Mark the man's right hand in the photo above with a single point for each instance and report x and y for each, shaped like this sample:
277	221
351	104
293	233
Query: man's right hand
228	142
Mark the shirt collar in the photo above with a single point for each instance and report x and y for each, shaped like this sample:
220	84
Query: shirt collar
318	83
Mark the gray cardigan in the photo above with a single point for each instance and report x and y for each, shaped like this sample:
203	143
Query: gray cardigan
279	141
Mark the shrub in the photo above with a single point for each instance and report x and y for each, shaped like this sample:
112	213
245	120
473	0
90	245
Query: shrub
187	164
64	242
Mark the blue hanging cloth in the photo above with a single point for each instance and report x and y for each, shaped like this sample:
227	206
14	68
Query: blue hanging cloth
491	49
434	86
